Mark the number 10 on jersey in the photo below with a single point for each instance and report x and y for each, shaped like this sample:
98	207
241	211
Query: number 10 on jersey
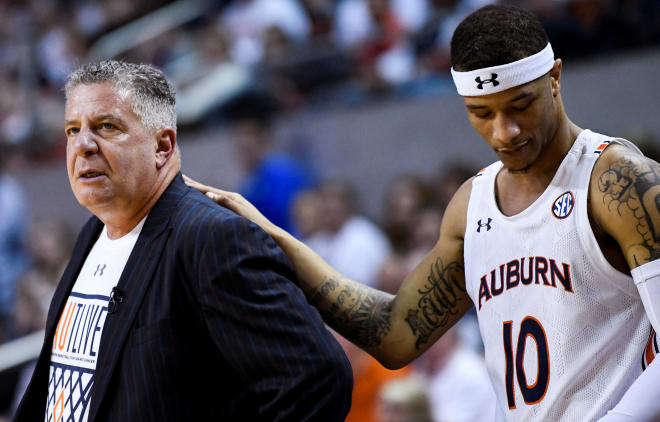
515	370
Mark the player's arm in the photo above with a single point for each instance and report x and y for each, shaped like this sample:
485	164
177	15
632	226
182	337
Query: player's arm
394	329
625	202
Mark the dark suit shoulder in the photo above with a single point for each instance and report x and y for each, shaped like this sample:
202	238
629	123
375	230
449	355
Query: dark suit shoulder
198	214
196	209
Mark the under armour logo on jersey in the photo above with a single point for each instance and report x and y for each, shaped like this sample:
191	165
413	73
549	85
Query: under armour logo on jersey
563	205
481	225
492	80
99	269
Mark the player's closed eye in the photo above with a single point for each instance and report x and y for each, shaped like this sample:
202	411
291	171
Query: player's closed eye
523	106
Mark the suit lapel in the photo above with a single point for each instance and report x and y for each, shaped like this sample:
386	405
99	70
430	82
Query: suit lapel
38	388
84	244
133	283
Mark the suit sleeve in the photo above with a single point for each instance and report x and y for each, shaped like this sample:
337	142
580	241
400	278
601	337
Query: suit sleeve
264	327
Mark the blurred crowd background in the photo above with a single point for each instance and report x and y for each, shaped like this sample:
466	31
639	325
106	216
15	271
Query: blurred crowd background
243	67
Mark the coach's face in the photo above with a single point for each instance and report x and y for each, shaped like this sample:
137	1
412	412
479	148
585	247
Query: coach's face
111	157
518	123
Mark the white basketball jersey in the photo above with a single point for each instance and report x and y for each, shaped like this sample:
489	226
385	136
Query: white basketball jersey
564	332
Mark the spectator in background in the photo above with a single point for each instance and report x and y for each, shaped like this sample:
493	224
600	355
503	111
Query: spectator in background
279	51
586	25
49	243
369	377
319	13
207	76
307	210
406	195
459	387
353	21
13	258
409	220
447	179
402	261
378	40
58	50
431	42
273	179
247	20
348	241
404	400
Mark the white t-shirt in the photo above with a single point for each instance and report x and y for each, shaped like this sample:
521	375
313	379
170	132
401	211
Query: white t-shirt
78	334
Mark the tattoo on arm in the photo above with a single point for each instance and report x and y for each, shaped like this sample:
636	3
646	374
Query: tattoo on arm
359	313
327	287
439	299
632	184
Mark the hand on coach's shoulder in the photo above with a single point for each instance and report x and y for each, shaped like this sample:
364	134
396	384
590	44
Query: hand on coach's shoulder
624	195
234	202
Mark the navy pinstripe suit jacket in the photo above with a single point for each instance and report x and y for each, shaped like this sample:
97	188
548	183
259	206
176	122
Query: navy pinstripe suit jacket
211	327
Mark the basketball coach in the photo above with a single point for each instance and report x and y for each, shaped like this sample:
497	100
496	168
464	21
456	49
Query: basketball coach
171	308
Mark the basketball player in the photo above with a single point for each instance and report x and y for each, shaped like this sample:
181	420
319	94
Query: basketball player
556	246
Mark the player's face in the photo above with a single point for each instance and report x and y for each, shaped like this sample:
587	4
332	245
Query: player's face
111	160
517	123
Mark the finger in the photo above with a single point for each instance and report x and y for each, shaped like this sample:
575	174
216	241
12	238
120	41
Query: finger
221	197
195	184
206	188
224	201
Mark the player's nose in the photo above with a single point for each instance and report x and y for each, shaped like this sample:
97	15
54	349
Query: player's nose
504	130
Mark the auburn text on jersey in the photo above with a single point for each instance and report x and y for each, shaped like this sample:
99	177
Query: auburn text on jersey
524	272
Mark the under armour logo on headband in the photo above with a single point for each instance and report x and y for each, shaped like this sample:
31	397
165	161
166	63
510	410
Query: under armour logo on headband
505	76
492	80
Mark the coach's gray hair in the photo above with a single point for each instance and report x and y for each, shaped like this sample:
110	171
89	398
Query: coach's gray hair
153	97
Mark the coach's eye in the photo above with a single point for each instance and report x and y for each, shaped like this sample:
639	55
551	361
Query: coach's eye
71	131
107	126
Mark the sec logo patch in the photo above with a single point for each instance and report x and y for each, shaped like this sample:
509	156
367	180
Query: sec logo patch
563	205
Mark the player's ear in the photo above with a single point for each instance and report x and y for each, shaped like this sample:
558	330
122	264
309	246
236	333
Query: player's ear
555	77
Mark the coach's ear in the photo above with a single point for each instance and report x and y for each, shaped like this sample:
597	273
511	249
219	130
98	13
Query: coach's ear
555	77
165	146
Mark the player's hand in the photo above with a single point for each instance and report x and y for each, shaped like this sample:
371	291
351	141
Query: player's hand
234	202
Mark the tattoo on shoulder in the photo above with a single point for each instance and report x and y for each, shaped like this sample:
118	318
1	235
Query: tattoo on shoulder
439	299
632	186
360	313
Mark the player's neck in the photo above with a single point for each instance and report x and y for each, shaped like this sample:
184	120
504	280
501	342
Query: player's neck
544	168
515	191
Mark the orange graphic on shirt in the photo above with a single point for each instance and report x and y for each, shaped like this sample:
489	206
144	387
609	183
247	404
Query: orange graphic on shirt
60	403
61	332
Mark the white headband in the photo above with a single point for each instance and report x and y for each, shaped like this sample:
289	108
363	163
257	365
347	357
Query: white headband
494	79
